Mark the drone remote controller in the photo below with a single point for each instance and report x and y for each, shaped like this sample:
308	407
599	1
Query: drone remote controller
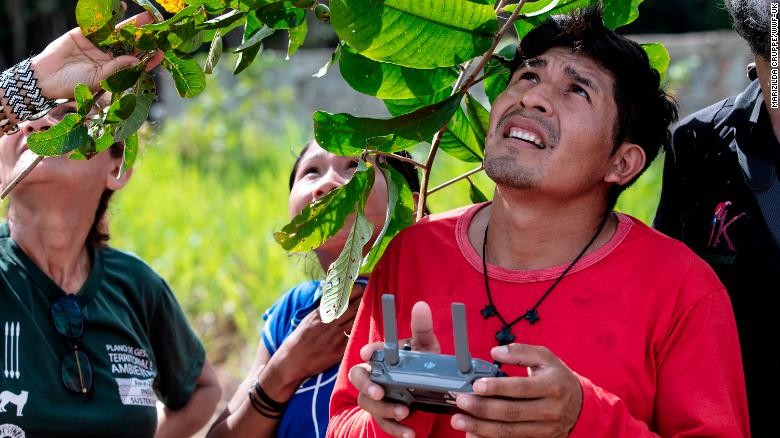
427	381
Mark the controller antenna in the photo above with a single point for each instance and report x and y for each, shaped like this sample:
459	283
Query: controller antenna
462	355
391	332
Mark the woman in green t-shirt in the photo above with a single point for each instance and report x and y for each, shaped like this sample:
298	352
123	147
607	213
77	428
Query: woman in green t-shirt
95	343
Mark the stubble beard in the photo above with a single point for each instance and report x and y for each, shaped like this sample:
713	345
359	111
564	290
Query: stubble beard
505	171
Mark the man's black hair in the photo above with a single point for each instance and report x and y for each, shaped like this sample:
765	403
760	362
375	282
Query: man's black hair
644	110
751	20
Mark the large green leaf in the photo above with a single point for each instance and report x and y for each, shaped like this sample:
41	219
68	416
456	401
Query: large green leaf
415	33
187	75
84	99
396	107
341	276
620	12
145	92
460	141
324	218
659	57
390	81
67	135
400	214
523	25
97	18
344	134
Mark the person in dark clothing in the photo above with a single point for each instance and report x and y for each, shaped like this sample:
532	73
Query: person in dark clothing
721	196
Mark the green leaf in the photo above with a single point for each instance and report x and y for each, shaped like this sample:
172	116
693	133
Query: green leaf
256	38
187	75
130	153
497	73
524	25
223	20
659	57
475	194
396	107
145	92
319	221
436	33
460	141
297	37
215	52
479	118
105	140
83	99
344	134
620	12
180	34
97	18
400	214
342	274
281	15
121	109
122	79
67	135
246	57
212	6
390	81
151	8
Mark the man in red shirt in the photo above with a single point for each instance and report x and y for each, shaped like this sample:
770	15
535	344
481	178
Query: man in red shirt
605	327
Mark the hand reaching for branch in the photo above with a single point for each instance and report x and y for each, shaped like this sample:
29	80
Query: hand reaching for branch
73	59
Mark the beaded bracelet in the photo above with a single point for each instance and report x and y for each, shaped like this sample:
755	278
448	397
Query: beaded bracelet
22	98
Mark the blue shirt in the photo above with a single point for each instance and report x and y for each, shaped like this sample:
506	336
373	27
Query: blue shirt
307	412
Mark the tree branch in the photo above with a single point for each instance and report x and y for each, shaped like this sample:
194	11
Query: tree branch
456	179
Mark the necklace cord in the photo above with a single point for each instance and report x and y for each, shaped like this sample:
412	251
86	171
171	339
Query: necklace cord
531	313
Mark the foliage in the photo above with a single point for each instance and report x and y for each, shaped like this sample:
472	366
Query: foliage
420	57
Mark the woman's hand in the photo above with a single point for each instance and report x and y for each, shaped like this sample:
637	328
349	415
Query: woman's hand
311	349
73	59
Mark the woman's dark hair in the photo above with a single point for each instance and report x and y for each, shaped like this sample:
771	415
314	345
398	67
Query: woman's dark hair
644	110
751	20
407	170
98	235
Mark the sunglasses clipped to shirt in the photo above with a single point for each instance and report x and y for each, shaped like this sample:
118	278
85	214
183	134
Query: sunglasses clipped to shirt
75	368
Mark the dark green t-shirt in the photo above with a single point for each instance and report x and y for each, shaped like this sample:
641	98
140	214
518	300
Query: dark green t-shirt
136	337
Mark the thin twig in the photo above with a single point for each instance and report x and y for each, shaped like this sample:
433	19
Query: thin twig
456	179
20	177
399	158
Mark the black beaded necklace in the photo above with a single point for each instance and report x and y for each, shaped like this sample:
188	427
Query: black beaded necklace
505	336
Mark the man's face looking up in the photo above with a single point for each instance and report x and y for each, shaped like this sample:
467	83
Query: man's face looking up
552	128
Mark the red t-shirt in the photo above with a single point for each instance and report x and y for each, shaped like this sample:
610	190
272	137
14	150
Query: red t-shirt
644	323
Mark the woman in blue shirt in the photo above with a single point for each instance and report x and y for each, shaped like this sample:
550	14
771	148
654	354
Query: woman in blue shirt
288	389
